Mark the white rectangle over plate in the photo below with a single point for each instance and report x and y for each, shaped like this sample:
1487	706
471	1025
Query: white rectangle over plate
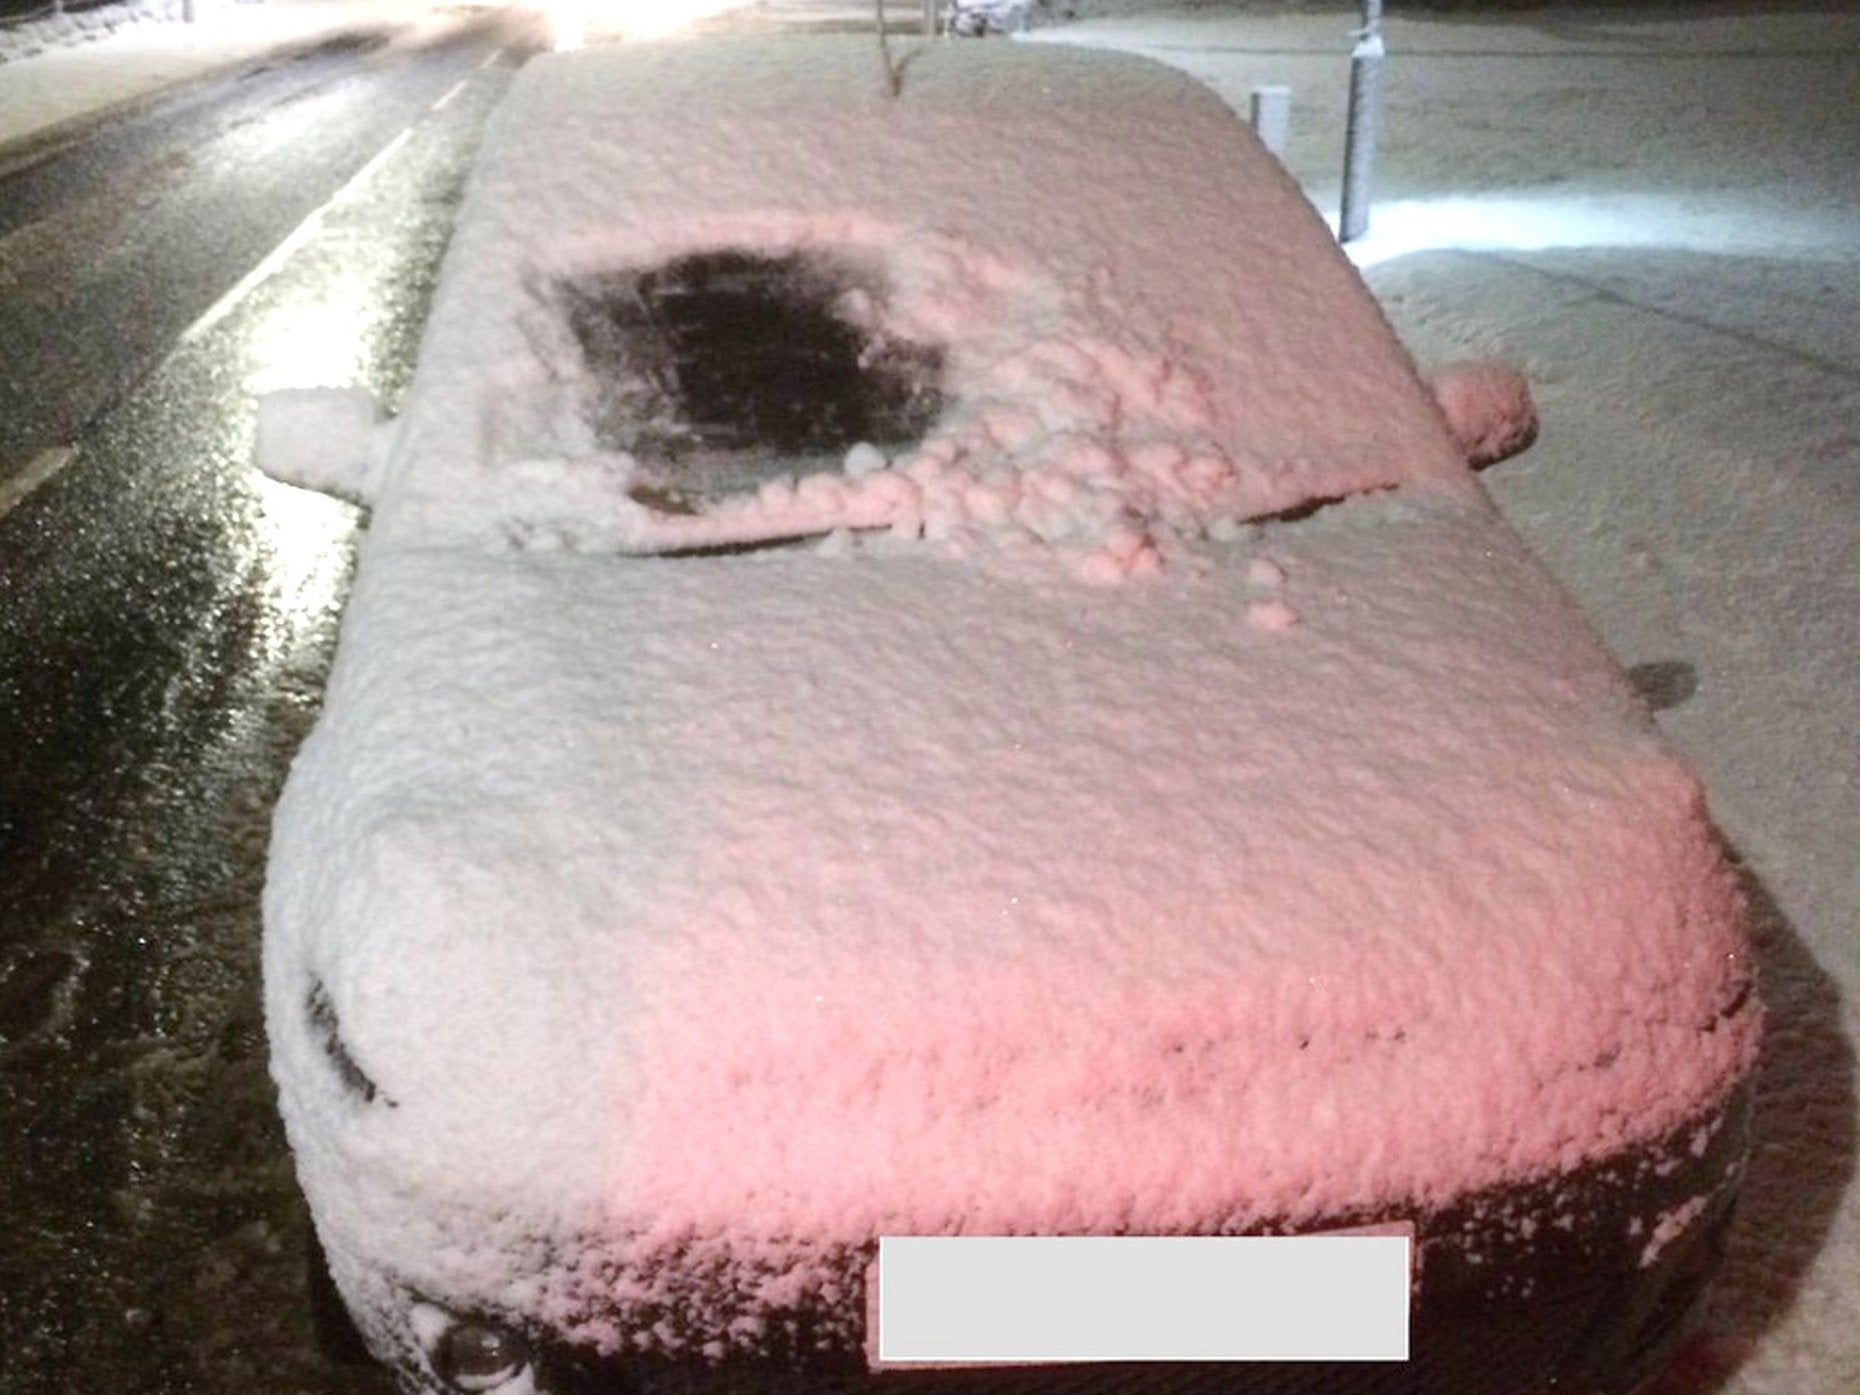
958	1300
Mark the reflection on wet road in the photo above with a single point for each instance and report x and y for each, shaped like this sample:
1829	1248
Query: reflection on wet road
166	616
110	247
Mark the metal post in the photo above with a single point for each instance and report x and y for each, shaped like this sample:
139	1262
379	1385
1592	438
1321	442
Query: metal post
1363	128
1271	110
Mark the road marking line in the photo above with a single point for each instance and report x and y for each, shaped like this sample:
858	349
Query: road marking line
451	92
297	237
38	470
493	56
367	171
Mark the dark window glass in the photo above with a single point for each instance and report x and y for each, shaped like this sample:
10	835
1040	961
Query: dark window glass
724	368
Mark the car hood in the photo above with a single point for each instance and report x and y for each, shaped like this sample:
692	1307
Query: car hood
803	895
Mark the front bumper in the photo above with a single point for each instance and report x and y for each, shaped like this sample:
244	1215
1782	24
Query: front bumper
1584	1282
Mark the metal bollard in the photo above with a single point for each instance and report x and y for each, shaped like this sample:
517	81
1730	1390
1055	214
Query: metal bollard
1271	112
1363	128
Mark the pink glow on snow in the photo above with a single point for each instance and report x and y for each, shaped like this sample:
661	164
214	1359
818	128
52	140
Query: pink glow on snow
1115	906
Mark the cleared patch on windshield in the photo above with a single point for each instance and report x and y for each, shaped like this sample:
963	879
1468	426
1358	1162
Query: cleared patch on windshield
725	369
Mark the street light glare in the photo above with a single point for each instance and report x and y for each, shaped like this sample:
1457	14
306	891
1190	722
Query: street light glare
572	21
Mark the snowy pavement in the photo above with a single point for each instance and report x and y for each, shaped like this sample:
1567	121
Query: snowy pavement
59	90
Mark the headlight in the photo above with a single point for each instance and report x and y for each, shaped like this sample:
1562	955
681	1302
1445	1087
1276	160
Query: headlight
470	1354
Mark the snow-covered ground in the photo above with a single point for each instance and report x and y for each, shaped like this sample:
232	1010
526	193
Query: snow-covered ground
1658	214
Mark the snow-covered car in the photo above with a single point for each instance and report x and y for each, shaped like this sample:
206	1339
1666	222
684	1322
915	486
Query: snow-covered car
906	683
978	18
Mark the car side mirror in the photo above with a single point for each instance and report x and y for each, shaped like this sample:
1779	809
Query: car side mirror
1488	407
327	439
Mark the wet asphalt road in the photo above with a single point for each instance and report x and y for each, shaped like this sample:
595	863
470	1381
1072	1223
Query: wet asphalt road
166	616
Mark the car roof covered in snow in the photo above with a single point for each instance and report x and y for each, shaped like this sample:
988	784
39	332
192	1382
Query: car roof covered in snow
1121	285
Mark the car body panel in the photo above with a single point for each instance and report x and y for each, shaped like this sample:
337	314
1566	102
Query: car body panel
1190	811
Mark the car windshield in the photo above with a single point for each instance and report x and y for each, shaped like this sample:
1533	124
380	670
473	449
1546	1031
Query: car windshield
745	394
715	299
